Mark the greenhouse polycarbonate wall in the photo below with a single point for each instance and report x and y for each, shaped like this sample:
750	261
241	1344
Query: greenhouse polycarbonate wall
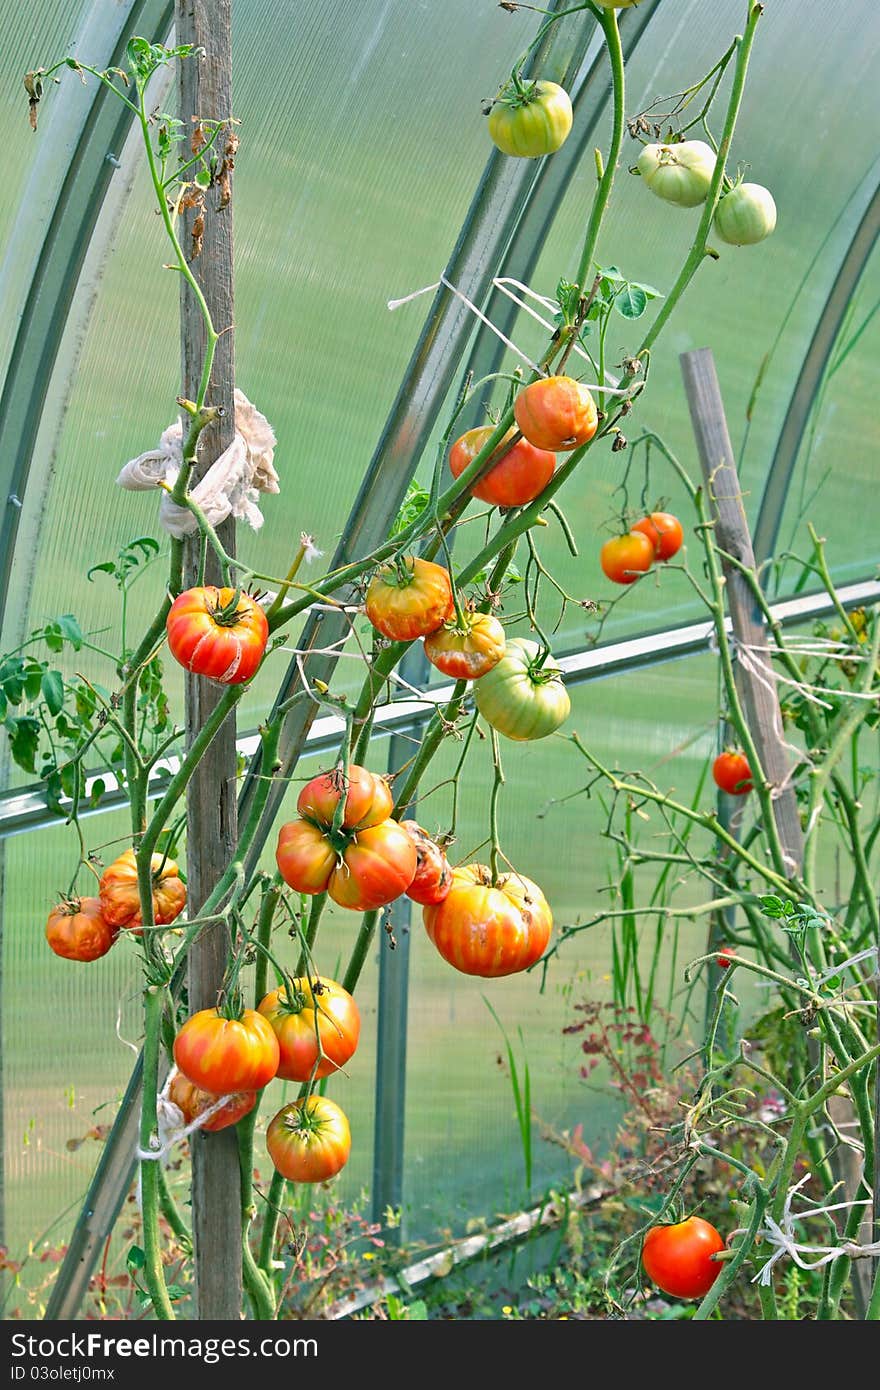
362	147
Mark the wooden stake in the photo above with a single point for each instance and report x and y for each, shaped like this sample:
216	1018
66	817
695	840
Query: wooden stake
206	92
756	677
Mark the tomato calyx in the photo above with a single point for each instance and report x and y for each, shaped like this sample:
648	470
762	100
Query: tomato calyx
303	1119
228	614
517	92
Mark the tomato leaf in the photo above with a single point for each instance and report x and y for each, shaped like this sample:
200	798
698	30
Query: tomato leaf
24	734
135	1259
71	630
106	567
52	687
632	302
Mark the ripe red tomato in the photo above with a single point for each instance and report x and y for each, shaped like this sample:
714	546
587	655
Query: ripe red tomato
678	1258
309	1140
368	798
77	929
213	636
624	558
467	652
433	876
191	1102
360	870
518	477
120	900
732	773
664	531
223	1055
409	599
724	957
303	1012
556	413
486	930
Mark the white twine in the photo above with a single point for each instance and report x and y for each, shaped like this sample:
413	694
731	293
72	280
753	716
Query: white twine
872	951
170	1124
781	1236
230	487
501	284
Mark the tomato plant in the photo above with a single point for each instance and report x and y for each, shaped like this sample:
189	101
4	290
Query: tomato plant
664	531
625	558
490	929
120	898
522	696
530	119
364	869
303	1011
679	173
192	1103
368	798
745	215
433	876
556	413
520	475
223	1055
218	633
732	773
309	1140
466	649
678	1258
409	599
77	929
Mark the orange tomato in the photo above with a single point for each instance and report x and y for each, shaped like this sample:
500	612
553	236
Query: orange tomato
77	929
191	1102
223	1055
213	636
309	1140
490	930
466	652
557	413
120	900
304	1012
664	531
625	558
409	599
519	476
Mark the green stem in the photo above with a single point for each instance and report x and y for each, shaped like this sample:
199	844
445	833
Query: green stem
603	193
170	1211
154	1001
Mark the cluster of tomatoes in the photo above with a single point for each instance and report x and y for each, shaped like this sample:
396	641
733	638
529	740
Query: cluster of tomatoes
651	540
306	1029
85	928
681	174
344	842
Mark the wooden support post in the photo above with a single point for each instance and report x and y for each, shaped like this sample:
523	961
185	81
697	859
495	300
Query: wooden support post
757	687
206	92
756	678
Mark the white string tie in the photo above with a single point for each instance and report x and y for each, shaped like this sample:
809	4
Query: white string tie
501	283
781	1236
872	952
171	1126
230	487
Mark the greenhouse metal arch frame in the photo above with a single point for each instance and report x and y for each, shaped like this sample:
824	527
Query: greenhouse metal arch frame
529	203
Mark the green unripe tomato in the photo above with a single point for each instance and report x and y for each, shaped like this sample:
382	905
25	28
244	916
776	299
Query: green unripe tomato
745	215
521	699
533	122
679	174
